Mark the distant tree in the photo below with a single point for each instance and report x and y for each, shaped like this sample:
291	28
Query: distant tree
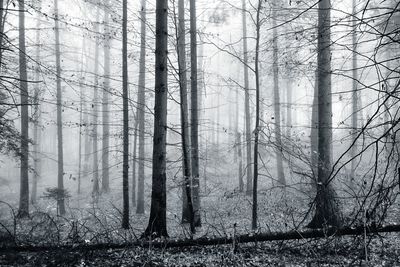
60	180
157	226
125	164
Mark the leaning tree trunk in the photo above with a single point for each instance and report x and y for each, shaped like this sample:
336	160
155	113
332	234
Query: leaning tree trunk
60	180
36	113
327	209
105	185
24	156
141	109
246	101
187	205
125	164
157	226
194	138
95	105
277	104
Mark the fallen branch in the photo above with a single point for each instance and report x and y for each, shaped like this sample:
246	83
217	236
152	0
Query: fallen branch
204	241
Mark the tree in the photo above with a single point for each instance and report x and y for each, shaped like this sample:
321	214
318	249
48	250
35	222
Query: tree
277	104
246	100
326	207
23	84
95	105
257	126
194	138
187	207
141	106
157	226
60	177
125	164
36	113
105	185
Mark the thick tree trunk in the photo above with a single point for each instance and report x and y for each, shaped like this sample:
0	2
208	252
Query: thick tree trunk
277	104
24	156
95	105
257	126
36	113
125	163
314	135
60	180
105	186
246	101
327	210
157	226
194	138
141	109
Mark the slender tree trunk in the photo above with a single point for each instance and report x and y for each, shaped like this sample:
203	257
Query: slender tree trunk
141	109
80	134
246	101
134	159
24	176
240	163
354	97
36	115
105	186
157	226
277	104
257	126
95	105
60	180
194	114
289	94
314	134
125	164
327	210
187	207
2	18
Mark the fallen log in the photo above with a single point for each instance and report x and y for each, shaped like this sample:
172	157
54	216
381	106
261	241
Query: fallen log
205	241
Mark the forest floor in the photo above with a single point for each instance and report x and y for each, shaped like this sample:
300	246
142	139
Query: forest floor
345	251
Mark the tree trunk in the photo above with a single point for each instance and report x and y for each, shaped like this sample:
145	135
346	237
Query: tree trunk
24	176
246	101
60	180
277	104
95	105
289	94
314	135
187	205
257	126
327	209
36	113
134	159
194	115
157	226
105	186
125	164
240	163
141	109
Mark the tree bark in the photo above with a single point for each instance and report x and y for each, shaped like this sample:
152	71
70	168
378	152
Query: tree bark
23	84
194	138
326	209
125	164
314	135
157	226
141	109
105	185
60	180
246	101
134	159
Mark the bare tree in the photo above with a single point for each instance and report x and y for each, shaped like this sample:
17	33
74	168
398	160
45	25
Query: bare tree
125	164
23	84
141	105
327	210
60	180
157	226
